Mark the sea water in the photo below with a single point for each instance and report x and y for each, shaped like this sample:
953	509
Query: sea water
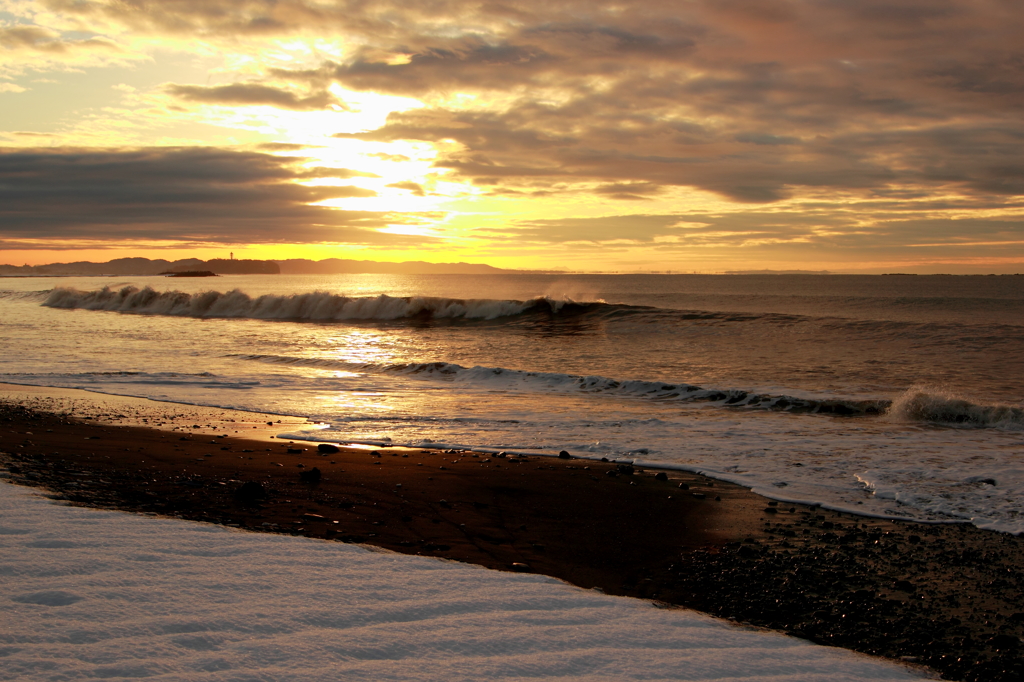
895	396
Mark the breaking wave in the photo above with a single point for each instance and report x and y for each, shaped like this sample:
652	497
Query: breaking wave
324	306
940	407
316	307
511	379
915	405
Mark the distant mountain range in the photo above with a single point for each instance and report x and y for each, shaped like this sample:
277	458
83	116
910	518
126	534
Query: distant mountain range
222	266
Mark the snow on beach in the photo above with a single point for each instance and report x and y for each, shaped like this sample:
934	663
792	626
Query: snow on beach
87	594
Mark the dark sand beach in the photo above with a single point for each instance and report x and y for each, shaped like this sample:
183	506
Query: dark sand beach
945	596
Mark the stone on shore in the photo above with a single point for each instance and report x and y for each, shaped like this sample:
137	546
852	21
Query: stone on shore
251	491
312	476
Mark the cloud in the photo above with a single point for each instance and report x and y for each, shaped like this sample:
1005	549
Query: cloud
636	228
870	233
413	187
470	65
766	139
330	172
908	111
31	38
635	191
187	194
533	141
39	39
755	101
27	47
383	156
252	94
285	147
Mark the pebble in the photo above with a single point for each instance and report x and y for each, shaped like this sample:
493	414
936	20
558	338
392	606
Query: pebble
312	476
251	490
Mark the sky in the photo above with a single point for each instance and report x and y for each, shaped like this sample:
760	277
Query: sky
587	135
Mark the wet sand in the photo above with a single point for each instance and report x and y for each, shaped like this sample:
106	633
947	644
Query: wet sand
946	596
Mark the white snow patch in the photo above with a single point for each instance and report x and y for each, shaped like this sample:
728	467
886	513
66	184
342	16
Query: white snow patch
88	594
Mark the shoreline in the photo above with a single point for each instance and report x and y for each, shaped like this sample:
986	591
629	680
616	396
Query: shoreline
945	596
120	410
112	409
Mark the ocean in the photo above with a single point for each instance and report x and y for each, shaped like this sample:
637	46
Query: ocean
893	396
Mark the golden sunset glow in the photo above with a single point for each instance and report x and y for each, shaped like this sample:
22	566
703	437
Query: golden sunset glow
694	136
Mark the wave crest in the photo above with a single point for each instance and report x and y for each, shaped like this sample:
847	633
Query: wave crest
320	306
554	381
916	405
941	407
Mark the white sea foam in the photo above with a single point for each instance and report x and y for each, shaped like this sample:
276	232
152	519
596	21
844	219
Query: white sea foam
90	594
922	404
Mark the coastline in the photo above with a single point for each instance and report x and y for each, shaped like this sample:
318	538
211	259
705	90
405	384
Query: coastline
943	596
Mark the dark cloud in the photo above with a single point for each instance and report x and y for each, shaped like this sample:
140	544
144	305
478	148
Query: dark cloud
601	139
252	94
754	100
539	53
184	194
470	65
535	141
